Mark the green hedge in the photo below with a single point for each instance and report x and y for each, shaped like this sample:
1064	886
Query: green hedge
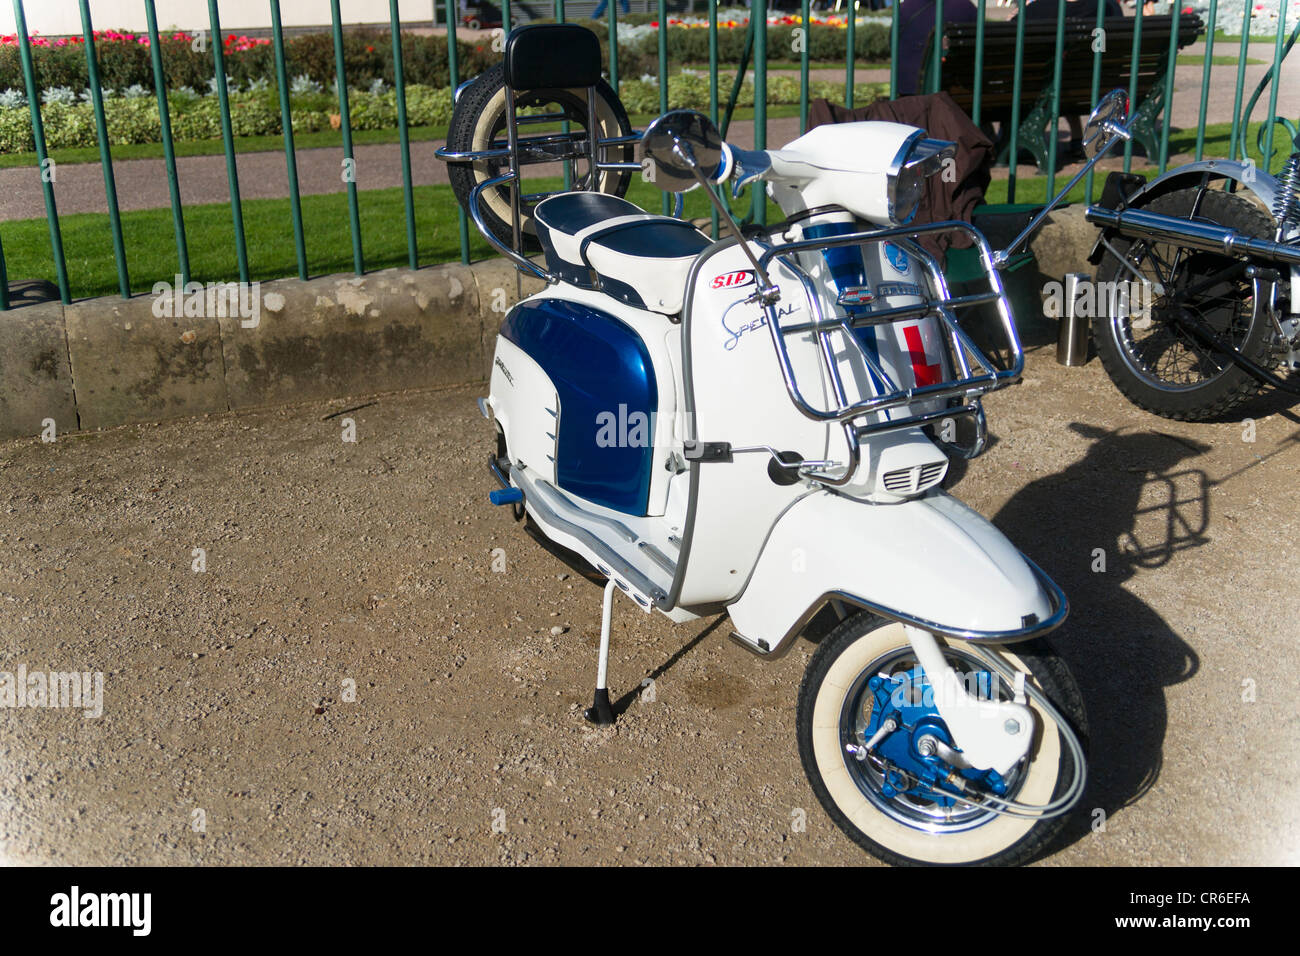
691	45
194	117
691	91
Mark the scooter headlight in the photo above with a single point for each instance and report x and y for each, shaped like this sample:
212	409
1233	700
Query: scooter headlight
918	158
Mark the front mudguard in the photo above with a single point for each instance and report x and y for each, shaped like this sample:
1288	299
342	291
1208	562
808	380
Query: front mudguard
931	562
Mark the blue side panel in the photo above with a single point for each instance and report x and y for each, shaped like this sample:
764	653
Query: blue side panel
608	398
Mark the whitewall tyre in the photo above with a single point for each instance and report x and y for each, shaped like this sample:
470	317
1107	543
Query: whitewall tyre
835	705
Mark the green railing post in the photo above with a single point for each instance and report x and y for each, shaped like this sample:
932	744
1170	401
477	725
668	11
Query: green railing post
893	50
758	16
1096	86
663	76
1206	64
564	126
345	123
4	281
740	77
713	96
105	155
286	126
977	95
1267	158
399	85
42	157
1133	79
613	44
453	74
803	66
1056	98
1014	140
169	154
936	55
228	140
1169	82
851	41
1242	56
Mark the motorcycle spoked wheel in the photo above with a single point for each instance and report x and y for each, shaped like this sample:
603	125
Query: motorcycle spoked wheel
835	707
479	122
1161	368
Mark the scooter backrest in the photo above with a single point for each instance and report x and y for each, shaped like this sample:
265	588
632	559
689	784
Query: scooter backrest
562	55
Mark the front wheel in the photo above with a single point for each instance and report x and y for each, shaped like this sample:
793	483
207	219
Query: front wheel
865	672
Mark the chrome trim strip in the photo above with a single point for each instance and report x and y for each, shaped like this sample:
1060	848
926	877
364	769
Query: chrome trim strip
897	166
1061	609
620	529
611	557
688	403
657	556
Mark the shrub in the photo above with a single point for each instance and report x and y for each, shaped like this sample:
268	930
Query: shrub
16	131
130	121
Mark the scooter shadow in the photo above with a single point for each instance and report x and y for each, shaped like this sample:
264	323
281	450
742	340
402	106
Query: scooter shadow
1126	505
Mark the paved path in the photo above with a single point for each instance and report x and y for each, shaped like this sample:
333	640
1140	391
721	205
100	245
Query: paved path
141	183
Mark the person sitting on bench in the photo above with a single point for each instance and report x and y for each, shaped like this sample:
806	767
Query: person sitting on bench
915	24
1074	10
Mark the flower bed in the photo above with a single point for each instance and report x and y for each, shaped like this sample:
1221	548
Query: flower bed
126	74
1263	16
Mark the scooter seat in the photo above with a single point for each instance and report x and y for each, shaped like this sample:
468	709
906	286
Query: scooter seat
598	241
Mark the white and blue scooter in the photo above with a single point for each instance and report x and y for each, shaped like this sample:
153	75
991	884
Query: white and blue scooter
761	427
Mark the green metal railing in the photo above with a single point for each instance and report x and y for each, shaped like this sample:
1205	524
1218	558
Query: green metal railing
756	46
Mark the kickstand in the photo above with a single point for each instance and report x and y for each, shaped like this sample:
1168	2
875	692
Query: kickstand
600	712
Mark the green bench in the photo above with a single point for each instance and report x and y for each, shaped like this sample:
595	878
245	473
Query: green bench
1037	122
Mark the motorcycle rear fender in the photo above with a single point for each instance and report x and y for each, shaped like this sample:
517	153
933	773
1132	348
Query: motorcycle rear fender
1263	185
931	562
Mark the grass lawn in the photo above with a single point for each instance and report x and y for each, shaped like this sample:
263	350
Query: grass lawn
1221	37
1193	59
151	248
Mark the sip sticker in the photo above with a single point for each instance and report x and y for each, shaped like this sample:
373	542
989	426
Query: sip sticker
897	258
731	280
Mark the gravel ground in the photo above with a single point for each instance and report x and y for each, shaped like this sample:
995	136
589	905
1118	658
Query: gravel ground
329	562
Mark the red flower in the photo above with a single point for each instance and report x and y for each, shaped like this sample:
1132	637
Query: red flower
370	49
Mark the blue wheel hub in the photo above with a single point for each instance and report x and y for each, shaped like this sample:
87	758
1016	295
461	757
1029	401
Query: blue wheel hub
909	699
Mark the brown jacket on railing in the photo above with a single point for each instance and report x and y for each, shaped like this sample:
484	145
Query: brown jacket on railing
953	196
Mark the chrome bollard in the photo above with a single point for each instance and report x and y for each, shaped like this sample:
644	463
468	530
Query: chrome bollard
1072	337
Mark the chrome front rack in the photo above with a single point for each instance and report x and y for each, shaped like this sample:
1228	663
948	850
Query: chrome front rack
975	375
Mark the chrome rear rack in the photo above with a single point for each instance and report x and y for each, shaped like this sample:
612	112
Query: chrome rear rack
975	373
